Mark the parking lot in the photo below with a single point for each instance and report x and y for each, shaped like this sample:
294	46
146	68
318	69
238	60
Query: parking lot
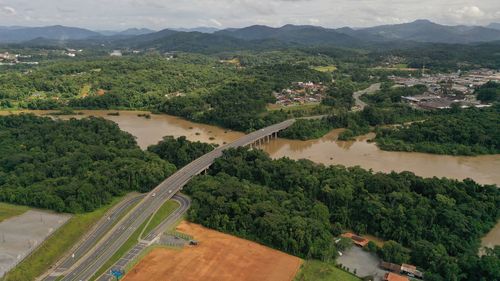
363	262
22	234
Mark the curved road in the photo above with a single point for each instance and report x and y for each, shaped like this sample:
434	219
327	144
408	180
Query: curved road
111	242
360	105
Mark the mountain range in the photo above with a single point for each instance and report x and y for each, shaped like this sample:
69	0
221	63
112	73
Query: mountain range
256	36
494	25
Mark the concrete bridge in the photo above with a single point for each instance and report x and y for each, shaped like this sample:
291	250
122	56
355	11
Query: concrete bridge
104	248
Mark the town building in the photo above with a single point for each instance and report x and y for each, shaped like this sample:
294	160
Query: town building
358	240
301	93
395	277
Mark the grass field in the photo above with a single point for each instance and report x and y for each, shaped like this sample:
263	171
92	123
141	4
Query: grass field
291	108
328	68
160	216
9	210
57	245
84	91
322	271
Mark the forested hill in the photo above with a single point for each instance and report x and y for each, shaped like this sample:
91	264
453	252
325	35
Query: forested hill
299	206
464	132
72	166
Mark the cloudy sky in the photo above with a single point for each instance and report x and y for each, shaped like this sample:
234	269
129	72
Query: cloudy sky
159	14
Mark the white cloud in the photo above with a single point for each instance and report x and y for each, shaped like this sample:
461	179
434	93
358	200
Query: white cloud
159	14
216	22
469	12
8	10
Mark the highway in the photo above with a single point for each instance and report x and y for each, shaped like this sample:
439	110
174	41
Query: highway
132	254
87	266
101	228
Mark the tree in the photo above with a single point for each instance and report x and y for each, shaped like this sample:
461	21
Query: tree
393	252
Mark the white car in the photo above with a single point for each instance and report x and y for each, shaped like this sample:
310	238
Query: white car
153	195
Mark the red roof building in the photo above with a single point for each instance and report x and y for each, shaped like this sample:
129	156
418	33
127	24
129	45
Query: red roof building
358	240
395	277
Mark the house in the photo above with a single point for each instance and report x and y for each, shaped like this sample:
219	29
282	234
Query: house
395	277
116	53
358	240
420	98
390	266
411	270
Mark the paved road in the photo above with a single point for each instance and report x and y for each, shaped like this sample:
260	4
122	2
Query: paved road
132	254
360	105
120	233
102	227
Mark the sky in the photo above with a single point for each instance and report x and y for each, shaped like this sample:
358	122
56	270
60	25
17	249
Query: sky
160	14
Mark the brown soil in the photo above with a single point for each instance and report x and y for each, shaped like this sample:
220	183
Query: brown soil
218	257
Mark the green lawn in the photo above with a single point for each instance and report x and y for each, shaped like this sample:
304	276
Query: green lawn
313	270
9	210
57	245
328	68
164	211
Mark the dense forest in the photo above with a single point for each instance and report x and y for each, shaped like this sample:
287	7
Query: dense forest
180	151
489	92
241	104
460	132
72	166
388	96
299	206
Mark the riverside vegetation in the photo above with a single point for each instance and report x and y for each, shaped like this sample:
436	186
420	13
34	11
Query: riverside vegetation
299	207
80	165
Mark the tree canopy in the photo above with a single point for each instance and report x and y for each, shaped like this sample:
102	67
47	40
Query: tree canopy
295	205
72	166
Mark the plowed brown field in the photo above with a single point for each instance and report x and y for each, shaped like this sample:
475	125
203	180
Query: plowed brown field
218	257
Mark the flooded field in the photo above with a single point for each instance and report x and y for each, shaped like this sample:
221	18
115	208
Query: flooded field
151	131
327	150
22	234
492	238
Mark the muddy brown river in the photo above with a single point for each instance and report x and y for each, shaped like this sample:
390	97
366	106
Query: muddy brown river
483	169
327	150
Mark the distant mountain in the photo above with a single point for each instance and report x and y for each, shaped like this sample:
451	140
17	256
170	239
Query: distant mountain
144	39
136	31
427	31
126	32
201	29
56	32
294	34
494	25
254	37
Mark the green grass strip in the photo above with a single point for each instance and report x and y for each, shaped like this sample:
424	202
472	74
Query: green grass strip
165	210
9	210
313	270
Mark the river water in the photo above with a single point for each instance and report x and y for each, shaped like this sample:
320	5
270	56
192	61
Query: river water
327	150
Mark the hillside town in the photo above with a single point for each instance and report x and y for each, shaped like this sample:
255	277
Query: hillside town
301	93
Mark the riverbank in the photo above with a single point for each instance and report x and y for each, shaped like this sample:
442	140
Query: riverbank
326	150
